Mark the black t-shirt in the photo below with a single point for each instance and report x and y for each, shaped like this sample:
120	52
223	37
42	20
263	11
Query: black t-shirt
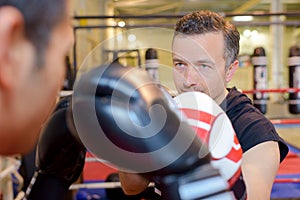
250	125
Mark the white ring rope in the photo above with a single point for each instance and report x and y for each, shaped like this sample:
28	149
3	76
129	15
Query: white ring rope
99	185
11	168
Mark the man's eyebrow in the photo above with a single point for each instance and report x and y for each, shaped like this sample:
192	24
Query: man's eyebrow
177	60
206	61
200	61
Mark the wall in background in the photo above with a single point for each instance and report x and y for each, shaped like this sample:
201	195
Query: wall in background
91	44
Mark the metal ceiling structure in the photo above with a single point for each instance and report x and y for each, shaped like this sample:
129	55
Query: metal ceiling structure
148	7
259	8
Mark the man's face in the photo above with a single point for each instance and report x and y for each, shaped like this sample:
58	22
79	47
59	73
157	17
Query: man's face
199	65
37	88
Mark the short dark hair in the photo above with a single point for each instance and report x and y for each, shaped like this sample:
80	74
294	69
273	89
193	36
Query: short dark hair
40	16
206	21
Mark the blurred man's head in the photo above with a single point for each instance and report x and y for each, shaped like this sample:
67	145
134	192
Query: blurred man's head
35	37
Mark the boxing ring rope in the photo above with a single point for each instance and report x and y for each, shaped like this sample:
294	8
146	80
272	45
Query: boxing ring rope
95	185
9	166
274	121
106	185
111	185
8	170
285	121
287	180
99	185
65	93
280	90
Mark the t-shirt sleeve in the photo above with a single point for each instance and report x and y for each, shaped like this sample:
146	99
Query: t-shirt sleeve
253	128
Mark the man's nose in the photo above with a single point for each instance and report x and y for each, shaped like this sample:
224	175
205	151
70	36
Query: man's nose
191	76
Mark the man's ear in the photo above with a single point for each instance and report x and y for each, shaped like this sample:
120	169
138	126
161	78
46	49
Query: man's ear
231	70
11	31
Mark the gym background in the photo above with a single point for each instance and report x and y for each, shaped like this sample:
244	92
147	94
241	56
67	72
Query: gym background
123	26
106	29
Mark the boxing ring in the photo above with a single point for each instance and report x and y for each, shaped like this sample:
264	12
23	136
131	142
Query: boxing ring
286	184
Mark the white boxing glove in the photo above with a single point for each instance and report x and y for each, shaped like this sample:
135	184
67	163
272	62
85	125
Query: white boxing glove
214	127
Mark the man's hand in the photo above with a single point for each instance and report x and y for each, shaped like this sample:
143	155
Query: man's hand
133	183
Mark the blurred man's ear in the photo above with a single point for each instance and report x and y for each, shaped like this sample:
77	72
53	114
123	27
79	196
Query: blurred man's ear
231	70
11	32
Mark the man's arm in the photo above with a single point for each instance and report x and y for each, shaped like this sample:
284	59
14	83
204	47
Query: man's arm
259	167
133	183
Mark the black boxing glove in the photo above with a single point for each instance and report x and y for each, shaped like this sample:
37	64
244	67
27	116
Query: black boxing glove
125	118
60	158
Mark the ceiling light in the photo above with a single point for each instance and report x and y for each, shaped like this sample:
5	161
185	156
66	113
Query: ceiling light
247	33
245	18
131	37
121	23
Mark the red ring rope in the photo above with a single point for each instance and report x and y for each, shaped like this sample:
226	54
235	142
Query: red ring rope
280	90
287	180
285	121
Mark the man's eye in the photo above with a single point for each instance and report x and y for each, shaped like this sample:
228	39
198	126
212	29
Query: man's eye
179	65
203	66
